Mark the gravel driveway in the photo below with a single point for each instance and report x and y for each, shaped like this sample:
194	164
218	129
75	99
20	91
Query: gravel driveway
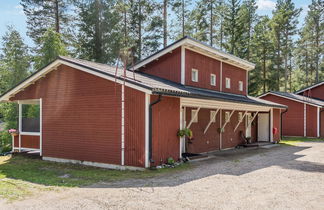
282	177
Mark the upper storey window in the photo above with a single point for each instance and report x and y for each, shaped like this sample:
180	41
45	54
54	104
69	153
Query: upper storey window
240	86
228	83
213	79
194	75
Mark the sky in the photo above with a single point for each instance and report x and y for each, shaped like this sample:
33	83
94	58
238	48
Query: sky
11	13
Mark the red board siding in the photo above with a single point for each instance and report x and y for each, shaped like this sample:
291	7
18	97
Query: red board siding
134	127
322	123
167	66
293	119
81	115
205	66
27	141
229	137
235	74
276	124
311	121
166	123
316	92
203	142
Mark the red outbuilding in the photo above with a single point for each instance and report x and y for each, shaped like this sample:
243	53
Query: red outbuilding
94	114
305	115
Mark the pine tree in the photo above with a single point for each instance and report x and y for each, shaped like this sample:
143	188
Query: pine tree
51	46
181	24
44	14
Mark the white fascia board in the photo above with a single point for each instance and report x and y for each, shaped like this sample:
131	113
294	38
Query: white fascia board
209	104
265	94
53	66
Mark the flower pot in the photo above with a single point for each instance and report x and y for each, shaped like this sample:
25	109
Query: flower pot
14	134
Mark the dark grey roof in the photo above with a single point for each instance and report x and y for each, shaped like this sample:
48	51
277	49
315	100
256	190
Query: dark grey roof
309	87
166	87
299	98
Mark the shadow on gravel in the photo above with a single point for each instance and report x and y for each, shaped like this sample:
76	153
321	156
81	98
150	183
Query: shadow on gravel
233	162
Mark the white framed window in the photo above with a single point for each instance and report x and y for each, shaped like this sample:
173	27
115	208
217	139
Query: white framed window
240	86
228	82
193	114
227	116
213	79
240	116
212	116
194	75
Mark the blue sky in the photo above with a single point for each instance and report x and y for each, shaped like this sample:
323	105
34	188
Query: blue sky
11	13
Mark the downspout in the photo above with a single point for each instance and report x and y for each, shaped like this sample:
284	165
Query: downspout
281	122
151	128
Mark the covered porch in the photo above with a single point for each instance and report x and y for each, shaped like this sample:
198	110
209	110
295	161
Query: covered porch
220	125
29	135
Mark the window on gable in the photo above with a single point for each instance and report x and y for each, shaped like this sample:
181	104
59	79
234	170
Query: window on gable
212	116
213	79
193	113
228	83
194	75
240	86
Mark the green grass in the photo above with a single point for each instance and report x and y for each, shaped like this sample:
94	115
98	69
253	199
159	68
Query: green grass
20	176
295	140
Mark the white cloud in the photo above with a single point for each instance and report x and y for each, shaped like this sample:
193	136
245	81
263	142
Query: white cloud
266	4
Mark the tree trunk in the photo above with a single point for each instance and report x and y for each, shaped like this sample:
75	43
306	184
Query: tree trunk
98	37
211	22
139	30
264	69
165	23
183	17
57	17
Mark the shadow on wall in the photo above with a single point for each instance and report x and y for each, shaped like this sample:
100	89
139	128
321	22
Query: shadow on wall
232	162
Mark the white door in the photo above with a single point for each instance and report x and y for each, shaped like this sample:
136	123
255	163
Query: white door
248	124
263	127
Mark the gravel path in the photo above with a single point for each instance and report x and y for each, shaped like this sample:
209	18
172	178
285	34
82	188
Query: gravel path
282	177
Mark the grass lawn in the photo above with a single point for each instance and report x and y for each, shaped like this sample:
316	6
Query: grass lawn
20	176
295	140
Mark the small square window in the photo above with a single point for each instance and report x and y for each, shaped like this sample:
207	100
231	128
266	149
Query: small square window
227	116
194	75
213	79
193	113
240	86
240	116
228	83
212	116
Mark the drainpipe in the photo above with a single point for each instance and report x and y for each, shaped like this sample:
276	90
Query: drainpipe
151	128
281	122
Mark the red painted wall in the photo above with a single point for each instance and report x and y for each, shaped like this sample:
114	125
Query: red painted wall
322	123
81	115
134	127
276	124
167	66
27	141
205	66
235	74
229	137
293	119
316	92
166	123
203	142
311	121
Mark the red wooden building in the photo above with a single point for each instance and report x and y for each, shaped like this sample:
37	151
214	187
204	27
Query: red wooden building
305	114
90	116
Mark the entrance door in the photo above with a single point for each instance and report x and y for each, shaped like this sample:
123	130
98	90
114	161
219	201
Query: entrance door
263	127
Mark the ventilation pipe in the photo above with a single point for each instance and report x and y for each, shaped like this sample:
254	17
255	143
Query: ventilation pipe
281	122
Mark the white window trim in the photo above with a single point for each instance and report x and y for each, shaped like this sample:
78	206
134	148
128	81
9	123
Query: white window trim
212	117
213	82
193	114
228	83
192	78
241	86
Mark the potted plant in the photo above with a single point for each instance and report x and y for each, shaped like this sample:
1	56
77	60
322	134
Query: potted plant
13	132
185	132
221	130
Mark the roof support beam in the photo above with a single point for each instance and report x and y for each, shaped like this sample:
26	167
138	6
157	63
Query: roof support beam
211	120
239	122
229	119
252	119
192	118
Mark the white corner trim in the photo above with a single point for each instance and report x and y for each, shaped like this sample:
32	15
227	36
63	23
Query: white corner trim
95	164
19	123
271	125
41	127
122	125
147	107
183	65
318	122
221	77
